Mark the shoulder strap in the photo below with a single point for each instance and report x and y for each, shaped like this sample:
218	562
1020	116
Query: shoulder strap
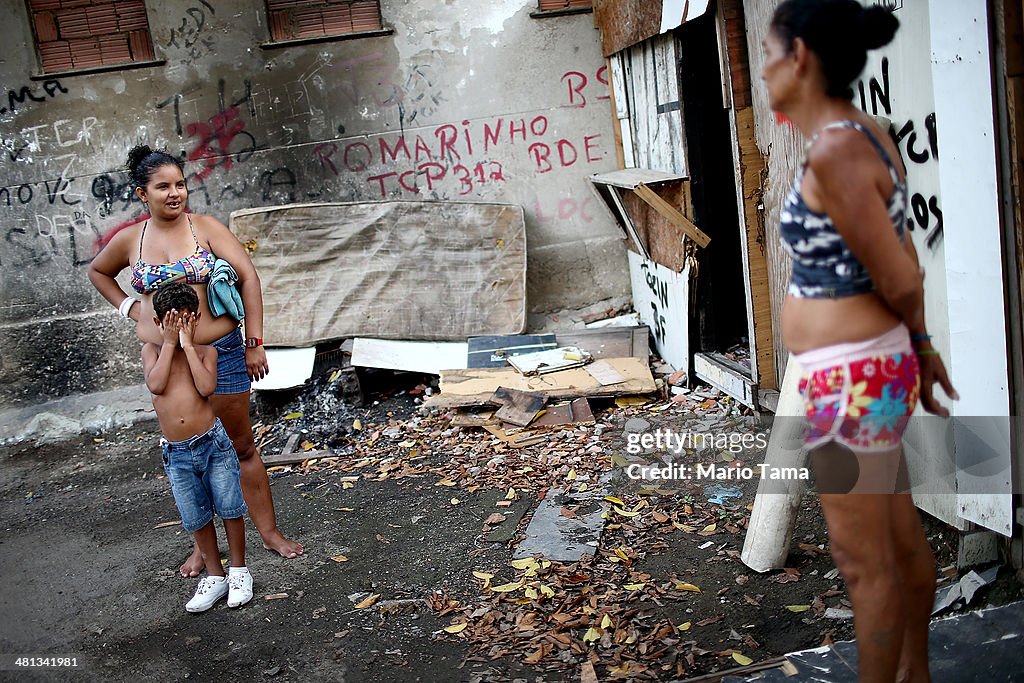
142	236
847	123
192	228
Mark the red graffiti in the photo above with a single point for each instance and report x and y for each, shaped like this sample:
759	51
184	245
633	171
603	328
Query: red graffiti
104	240
576	82
215	138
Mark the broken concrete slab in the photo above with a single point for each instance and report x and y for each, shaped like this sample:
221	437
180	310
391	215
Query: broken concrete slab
65	417
560	538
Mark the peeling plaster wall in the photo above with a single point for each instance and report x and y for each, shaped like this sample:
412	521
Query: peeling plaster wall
465	101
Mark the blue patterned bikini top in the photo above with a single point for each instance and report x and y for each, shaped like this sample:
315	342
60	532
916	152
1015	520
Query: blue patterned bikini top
823	265
194	269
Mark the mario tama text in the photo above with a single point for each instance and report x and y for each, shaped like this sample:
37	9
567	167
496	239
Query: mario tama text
716	472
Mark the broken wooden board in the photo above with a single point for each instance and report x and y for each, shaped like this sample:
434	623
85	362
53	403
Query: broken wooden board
517	407
614	342
411	356
475	386
296	457
438	271
604	373
574	412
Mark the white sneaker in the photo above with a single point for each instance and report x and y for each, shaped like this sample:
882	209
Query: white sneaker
211	589
239	586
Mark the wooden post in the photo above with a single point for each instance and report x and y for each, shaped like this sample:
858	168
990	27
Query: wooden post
775	506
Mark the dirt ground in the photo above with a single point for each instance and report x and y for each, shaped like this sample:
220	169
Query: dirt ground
394	530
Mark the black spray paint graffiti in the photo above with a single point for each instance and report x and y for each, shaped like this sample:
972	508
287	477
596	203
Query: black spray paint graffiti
189	36
660	291
41	243
15	97
918	142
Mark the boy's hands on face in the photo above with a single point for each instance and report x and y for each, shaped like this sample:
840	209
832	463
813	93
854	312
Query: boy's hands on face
169	327
187	329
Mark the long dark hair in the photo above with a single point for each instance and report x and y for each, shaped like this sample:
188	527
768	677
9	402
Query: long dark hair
839	32
142	161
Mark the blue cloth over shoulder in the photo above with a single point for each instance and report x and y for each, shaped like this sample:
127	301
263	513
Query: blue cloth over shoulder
223	295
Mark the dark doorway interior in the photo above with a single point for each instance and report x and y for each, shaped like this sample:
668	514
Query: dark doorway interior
720	314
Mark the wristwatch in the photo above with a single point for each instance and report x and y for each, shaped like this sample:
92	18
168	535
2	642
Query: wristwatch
253	342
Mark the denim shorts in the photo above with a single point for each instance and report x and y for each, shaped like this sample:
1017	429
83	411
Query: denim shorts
232	375
203	471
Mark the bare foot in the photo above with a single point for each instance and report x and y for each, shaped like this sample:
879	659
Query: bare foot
193	565
285	547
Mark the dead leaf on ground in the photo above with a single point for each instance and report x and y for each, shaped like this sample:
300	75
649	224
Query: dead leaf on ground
368	601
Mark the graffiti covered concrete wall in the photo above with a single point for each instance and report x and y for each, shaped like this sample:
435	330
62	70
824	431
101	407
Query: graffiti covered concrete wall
463	101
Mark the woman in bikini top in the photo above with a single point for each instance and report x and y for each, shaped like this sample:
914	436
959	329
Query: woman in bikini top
172	245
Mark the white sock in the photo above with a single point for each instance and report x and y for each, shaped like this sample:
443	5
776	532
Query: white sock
217	579
238	570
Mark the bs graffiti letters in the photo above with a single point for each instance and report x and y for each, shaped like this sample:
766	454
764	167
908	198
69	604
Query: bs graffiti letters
577	82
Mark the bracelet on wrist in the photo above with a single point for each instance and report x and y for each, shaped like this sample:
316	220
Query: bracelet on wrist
923	337
927	352
126	306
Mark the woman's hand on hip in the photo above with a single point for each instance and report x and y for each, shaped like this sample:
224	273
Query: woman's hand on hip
256	363
933	370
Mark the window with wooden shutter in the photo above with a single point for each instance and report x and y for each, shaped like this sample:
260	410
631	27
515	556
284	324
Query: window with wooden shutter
306	19
84	34
553	5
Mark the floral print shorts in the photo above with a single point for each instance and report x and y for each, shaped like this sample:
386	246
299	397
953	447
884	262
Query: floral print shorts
861	395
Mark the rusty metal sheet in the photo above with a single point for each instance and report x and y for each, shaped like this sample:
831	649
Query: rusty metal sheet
391	270
626	22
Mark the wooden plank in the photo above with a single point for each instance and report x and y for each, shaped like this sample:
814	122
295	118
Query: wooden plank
475	386
664	243
728	379
575	412
620	342
630	178
297	457
673	215
518	407
613	192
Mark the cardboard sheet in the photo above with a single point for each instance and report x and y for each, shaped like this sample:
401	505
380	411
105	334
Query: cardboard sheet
475	386
393	270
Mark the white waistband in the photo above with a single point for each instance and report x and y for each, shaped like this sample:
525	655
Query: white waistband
896	340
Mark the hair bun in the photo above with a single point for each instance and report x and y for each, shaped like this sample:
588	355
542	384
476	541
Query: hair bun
136	155
877	27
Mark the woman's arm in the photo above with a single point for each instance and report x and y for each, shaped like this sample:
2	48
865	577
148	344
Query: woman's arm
103	270
226	246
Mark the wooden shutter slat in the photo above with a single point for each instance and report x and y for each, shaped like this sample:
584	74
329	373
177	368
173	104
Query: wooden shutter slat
42	5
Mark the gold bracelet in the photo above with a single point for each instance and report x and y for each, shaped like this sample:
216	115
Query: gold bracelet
927	352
